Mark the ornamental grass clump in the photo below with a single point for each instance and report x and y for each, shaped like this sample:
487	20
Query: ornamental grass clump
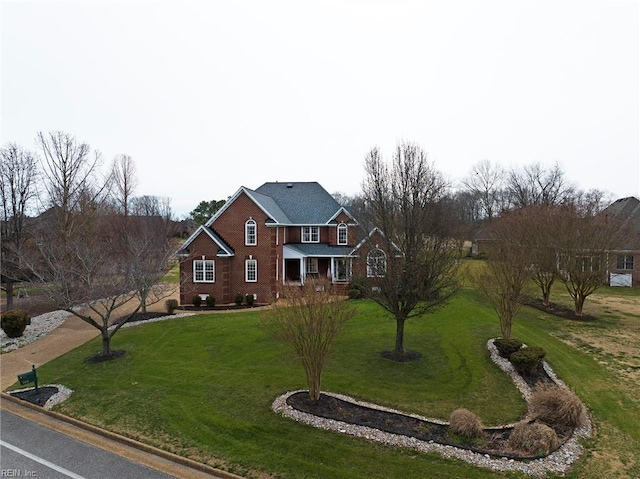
466	424
557	407
533	439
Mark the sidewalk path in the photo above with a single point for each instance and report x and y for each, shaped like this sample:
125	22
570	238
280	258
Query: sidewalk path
69	335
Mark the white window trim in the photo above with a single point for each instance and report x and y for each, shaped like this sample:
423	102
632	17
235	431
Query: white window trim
311	230
203	270
246	270
247	224
343	227
370	272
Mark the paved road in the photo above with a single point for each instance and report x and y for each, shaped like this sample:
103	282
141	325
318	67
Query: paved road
31	450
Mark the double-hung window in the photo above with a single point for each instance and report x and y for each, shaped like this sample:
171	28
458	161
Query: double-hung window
310	234
342	234
625	261
251	270
250	234
204	271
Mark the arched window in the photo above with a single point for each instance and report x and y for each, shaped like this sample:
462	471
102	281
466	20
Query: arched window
342	233
376	263
250	235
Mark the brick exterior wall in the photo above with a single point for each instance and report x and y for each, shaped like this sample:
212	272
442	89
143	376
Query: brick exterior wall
230	272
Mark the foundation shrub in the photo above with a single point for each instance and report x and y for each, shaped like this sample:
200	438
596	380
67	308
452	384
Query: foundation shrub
14	322
238	299
249	299
171	305
196	300
506	347
557	407
210	301
465	423
528	361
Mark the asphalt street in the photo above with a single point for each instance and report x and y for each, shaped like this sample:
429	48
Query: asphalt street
30	450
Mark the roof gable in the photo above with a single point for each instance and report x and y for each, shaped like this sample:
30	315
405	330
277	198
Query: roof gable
223	248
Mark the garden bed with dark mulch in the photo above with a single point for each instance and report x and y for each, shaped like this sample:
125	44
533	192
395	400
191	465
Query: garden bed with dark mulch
495	444
39	397
558	310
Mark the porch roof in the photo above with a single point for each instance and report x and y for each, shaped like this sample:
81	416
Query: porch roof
316	250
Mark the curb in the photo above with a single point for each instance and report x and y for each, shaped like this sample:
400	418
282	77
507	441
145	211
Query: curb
183	461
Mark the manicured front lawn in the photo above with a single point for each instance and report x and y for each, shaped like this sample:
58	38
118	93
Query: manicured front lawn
203	387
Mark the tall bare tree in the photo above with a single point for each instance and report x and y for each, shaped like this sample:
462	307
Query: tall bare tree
123	174
18	178
309	321
485	183
71	179
535	185
406	201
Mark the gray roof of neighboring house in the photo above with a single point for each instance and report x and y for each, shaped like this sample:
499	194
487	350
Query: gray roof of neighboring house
627	210
297	203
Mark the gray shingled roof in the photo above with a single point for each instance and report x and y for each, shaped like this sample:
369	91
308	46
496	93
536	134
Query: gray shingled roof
297	203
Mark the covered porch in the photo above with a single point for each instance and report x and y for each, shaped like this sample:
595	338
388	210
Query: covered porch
302	261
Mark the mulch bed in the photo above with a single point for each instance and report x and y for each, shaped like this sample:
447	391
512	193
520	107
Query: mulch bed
496	443
558	310
39	397
329	407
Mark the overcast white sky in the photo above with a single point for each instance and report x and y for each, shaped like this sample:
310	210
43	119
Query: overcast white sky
208	96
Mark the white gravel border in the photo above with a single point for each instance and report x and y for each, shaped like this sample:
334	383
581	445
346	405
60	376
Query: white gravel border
558	462
40	326
47	322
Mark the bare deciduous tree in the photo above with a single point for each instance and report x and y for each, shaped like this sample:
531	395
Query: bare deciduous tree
406	201
485	183
535	185
18	178
123	174
505	279
583	254
71	179
308	320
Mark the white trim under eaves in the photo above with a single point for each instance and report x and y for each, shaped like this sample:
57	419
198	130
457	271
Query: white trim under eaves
345	211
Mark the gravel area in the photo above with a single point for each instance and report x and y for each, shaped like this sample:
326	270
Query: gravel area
62	394
558	462
40	325
47	322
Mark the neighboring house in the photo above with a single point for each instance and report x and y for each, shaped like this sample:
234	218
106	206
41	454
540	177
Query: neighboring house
260	240
624	267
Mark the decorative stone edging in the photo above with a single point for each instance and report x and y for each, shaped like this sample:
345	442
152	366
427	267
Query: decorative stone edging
62	395
557	462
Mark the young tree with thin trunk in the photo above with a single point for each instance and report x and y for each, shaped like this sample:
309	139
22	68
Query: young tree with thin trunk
508	271
18	178
406	200
583	254
308	319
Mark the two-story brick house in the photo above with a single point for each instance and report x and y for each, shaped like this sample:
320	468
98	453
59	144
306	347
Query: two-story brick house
280	233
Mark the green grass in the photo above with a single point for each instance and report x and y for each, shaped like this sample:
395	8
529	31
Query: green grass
203	387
